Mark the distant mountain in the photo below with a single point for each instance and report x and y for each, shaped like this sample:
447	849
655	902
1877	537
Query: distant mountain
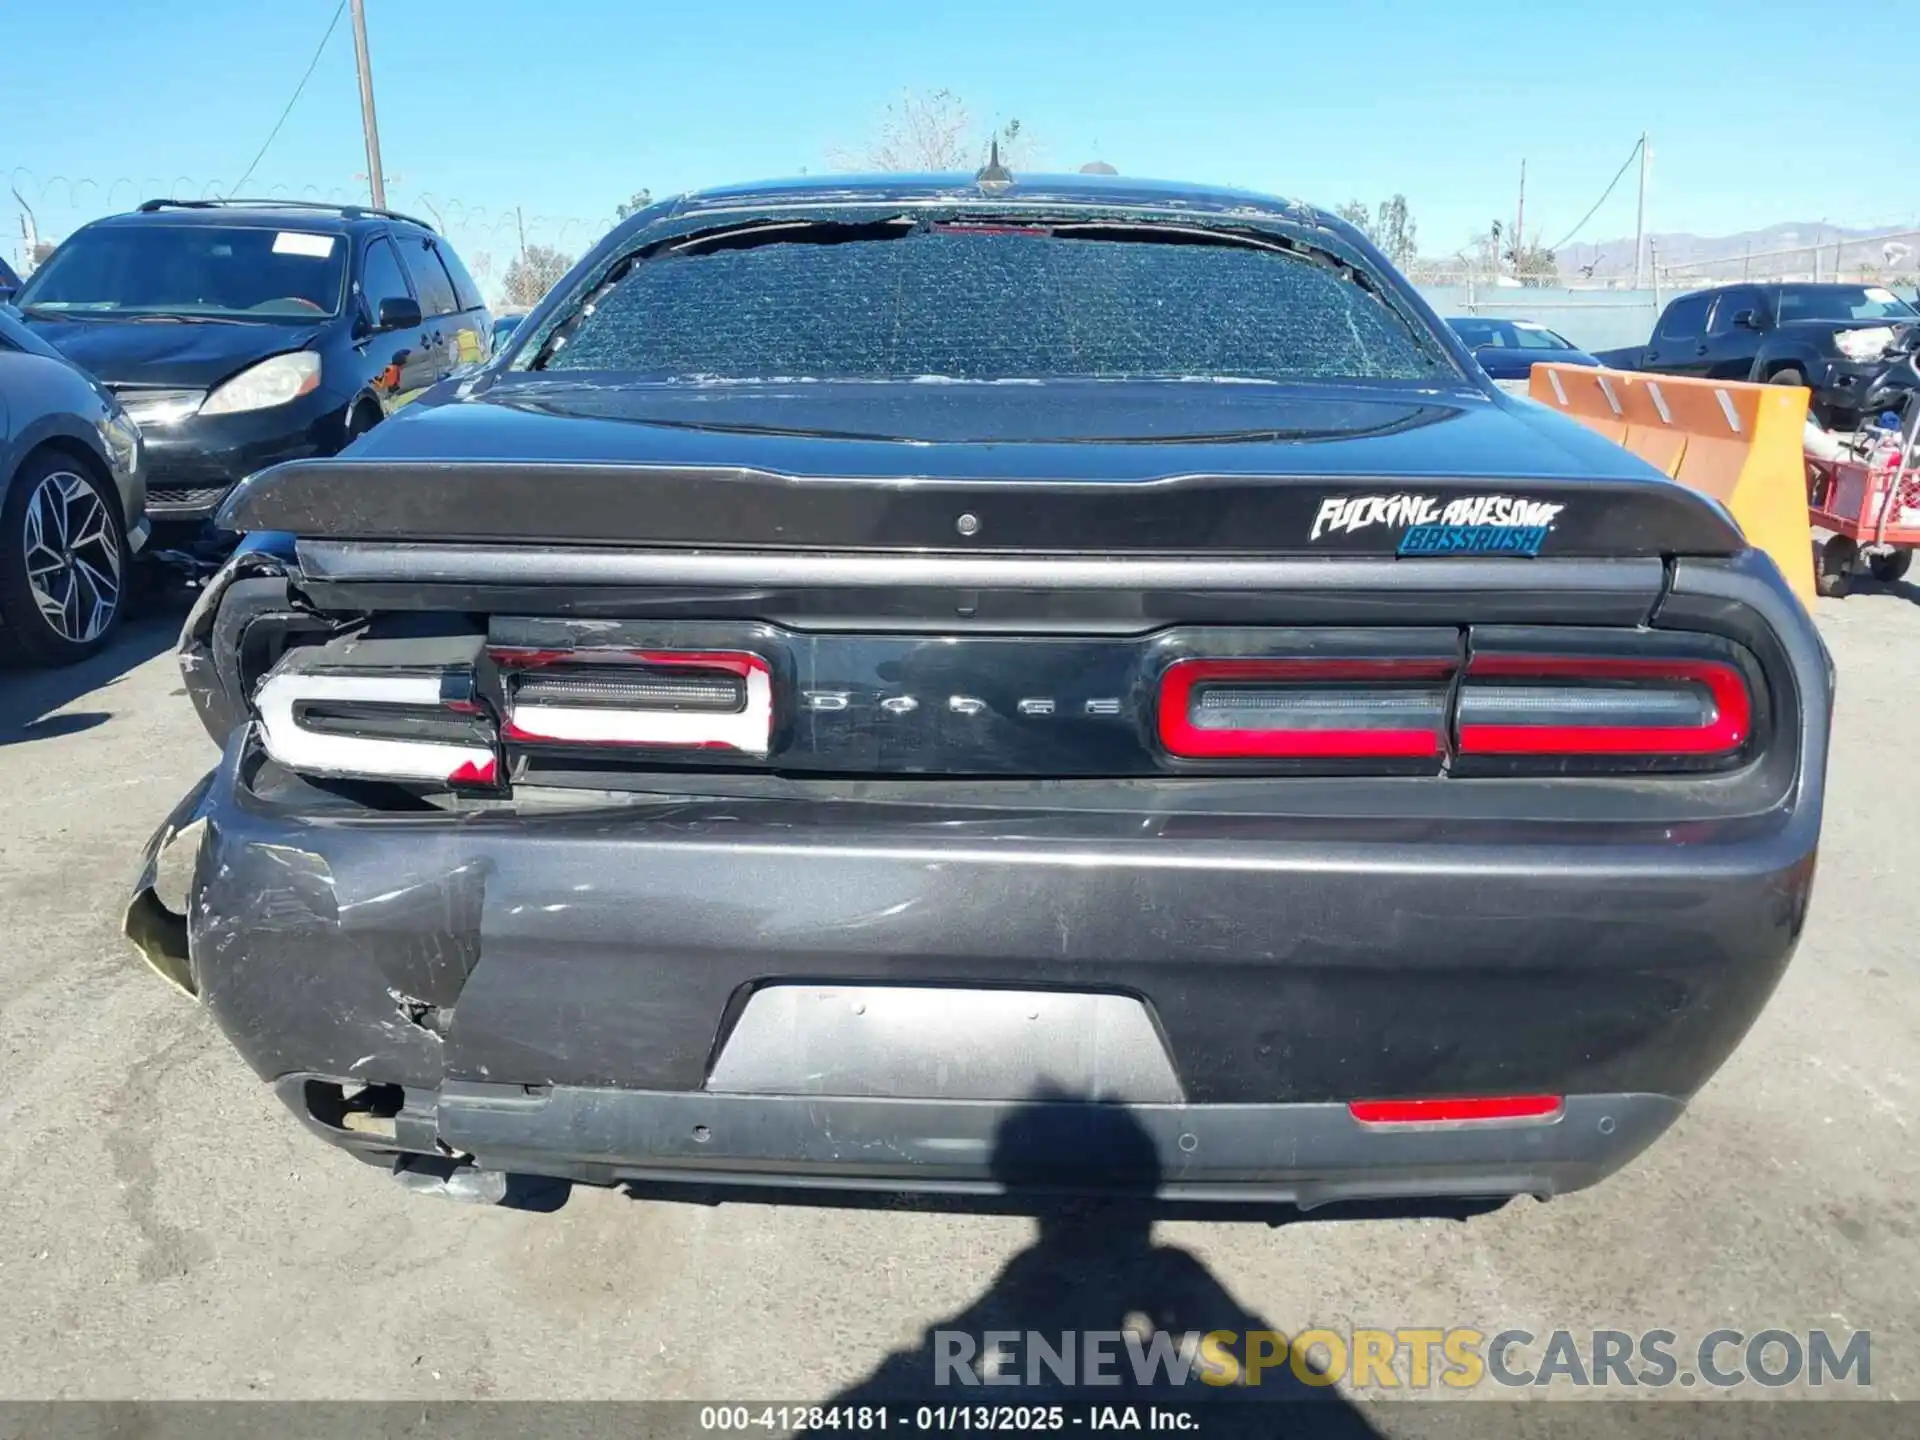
1612	259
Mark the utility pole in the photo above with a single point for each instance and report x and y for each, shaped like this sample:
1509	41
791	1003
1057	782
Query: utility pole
376	177
29	234
1746	265
1640	217
1520	220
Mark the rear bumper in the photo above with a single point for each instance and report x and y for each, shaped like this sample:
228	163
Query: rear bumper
555	993
1301	1154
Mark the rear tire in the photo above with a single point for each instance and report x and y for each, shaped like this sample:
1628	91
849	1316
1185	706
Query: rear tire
64	566
1836	563
1890	568
1788	376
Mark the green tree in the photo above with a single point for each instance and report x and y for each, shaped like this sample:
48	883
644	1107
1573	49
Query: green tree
1396	233
633	204
1390	226
534	271
1535	267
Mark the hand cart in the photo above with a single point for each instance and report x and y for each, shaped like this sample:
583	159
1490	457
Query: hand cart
1875	518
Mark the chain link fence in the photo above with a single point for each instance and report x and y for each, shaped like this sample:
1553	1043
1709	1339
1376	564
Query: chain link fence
1597	319
1891	259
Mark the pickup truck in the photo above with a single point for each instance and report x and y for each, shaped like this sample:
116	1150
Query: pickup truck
1828	338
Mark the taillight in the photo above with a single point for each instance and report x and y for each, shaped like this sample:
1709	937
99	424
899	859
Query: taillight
673	700
1304	709
1544	705
388	725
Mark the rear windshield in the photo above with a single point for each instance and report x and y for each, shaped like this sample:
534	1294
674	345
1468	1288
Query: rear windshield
973	303
1842	302
240	272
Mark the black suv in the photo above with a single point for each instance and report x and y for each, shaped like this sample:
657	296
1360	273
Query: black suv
239	333
1830	338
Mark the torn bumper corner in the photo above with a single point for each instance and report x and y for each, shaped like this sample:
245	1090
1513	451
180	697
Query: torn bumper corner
158	931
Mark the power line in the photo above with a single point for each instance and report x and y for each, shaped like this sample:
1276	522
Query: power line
1631	154
312	64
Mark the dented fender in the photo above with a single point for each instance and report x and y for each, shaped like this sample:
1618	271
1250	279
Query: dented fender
343	961
158	931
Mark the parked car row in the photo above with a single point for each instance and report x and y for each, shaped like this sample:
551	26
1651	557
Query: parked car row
234	335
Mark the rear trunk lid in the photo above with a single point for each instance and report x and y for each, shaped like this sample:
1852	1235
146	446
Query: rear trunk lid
1196	468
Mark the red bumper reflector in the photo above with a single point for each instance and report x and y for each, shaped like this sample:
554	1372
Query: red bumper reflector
1303	709
1468	1108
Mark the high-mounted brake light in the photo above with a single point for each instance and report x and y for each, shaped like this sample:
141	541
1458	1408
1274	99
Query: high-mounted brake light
1305	709
679	699
1531	705
389	726
1464	1110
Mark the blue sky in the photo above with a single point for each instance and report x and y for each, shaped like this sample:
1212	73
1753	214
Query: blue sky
563	107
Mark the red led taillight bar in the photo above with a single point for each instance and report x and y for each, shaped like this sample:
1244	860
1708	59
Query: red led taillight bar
1304	709
1545	705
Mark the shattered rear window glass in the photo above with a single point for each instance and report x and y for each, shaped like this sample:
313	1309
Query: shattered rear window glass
976	304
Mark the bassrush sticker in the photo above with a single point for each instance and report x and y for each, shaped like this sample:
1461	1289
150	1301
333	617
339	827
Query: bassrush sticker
1429	525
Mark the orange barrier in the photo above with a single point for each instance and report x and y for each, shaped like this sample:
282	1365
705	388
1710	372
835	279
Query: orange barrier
1739	443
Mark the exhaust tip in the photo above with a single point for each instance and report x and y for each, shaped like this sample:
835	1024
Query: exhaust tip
468	1184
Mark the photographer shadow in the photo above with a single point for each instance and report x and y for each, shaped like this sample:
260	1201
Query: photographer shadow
1094	1267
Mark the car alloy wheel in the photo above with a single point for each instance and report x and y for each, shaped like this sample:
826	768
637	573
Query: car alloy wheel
73	557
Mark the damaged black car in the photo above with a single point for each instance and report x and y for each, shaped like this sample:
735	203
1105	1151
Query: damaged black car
872	661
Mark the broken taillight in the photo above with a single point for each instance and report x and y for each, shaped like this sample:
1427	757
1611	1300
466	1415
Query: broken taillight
670	700
382	724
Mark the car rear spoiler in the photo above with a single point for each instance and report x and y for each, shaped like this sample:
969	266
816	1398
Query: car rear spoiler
1192	514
